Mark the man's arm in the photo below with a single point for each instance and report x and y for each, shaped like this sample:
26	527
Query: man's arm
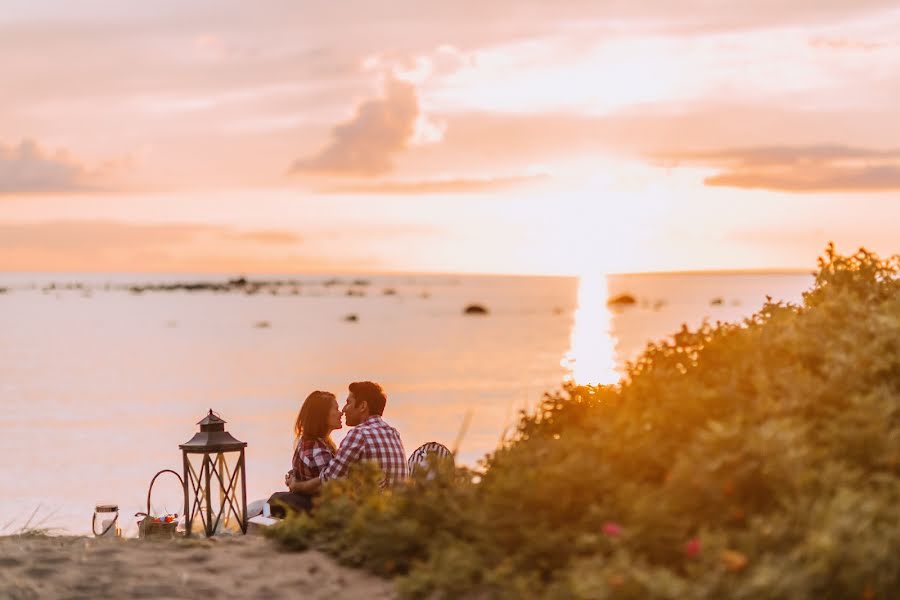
349	453
308	487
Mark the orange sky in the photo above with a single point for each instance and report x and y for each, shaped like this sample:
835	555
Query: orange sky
503	137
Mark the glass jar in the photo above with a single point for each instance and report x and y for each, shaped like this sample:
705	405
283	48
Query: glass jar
108	516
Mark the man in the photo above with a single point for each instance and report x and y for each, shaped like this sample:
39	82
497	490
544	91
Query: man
369	439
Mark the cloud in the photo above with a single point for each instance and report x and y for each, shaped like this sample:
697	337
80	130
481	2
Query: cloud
266	237
436	186
27	168
105	245
843	43
764	156
228	87
814	168
105	235
365	145
814	179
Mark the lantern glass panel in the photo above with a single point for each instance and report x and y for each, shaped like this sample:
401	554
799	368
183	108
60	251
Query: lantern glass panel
197	501
215	492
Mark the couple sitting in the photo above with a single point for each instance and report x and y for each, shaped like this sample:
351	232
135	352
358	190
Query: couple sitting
316	459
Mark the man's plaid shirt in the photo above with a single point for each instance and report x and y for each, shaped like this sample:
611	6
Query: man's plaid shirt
311	458
375	440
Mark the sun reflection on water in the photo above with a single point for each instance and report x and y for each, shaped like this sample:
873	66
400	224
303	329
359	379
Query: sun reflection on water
591	357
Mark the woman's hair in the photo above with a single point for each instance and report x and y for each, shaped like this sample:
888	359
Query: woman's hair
312	420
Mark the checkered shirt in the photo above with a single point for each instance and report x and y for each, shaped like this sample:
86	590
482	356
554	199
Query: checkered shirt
311	458
373	439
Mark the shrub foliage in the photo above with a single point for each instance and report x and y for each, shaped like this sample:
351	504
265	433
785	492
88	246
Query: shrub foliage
751	460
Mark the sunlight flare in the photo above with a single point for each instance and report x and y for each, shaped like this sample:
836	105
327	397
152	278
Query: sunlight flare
591	357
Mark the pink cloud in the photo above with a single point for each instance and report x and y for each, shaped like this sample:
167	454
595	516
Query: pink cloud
822	178
90	245
812	168
113	235
28	168
436	186
366	144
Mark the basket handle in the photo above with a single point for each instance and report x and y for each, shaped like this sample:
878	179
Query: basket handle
152	481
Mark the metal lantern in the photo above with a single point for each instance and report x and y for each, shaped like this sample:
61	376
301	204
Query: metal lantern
215	481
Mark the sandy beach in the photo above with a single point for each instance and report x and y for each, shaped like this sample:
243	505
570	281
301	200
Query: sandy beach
37	566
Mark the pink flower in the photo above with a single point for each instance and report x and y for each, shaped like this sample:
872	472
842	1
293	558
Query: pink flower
692	547
612	529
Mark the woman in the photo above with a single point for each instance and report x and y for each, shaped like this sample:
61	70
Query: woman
313	449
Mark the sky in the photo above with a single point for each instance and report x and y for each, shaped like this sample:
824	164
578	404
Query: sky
527	137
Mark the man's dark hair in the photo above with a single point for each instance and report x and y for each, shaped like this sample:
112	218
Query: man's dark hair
370	392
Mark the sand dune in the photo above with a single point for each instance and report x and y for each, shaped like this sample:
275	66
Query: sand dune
227	567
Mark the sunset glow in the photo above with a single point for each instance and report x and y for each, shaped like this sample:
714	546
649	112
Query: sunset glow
517	138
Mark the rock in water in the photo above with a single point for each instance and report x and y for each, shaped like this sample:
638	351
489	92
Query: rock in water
475	309
622	300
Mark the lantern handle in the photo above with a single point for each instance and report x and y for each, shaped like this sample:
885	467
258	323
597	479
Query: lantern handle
152	481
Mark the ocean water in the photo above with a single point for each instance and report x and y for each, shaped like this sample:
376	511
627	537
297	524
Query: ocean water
99	385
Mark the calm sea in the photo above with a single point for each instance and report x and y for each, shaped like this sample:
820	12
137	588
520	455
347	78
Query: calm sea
99	385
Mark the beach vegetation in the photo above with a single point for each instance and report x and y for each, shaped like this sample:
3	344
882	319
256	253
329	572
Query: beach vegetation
758	459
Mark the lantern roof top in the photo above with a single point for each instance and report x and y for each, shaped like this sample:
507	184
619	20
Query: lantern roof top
212	437
211	418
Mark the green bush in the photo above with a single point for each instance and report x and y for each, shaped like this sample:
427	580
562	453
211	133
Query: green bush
750	460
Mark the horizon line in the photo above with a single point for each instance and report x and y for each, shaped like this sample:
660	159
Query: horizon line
403	273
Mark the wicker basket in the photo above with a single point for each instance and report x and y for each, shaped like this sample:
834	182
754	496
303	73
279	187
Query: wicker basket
148	528
152	527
